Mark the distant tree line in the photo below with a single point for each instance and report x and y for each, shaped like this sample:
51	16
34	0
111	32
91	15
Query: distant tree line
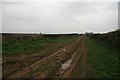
23	36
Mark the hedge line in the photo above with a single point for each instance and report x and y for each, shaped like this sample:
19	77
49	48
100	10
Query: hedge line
111	38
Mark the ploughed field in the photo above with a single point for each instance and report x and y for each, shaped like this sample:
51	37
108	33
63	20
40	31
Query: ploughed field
56	56
40	57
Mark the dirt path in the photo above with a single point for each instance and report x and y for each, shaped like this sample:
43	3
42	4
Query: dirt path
84	63
54	56
65	72
81	69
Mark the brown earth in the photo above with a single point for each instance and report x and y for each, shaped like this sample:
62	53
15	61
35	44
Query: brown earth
80	53
82	68
67	56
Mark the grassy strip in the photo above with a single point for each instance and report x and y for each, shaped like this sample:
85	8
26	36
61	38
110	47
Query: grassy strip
103	60
31	46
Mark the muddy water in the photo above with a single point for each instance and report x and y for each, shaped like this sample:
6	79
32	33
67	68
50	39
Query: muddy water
67	64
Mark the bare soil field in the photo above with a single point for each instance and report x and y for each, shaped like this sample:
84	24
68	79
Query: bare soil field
59	61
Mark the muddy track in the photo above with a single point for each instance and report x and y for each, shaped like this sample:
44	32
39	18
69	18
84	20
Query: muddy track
71	62
55	56
66	68
82	68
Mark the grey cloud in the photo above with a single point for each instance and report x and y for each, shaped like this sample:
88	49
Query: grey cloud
60	17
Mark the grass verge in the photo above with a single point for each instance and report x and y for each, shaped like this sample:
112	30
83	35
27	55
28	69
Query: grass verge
103	60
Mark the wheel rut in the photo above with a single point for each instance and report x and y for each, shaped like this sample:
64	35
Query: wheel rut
58	56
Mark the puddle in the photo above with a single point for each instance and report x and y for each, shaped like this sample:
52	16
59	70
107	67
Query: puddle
66	65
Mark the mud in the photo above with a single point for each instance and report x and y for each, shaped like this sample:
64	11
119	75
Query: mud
67	57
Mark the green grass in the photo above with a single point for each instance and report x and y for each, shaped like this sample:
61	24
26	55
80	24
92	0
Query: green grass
103	60
31	46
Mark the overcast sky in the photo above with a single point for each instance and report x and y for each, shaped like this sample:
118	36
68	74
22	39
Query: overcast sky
59	17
